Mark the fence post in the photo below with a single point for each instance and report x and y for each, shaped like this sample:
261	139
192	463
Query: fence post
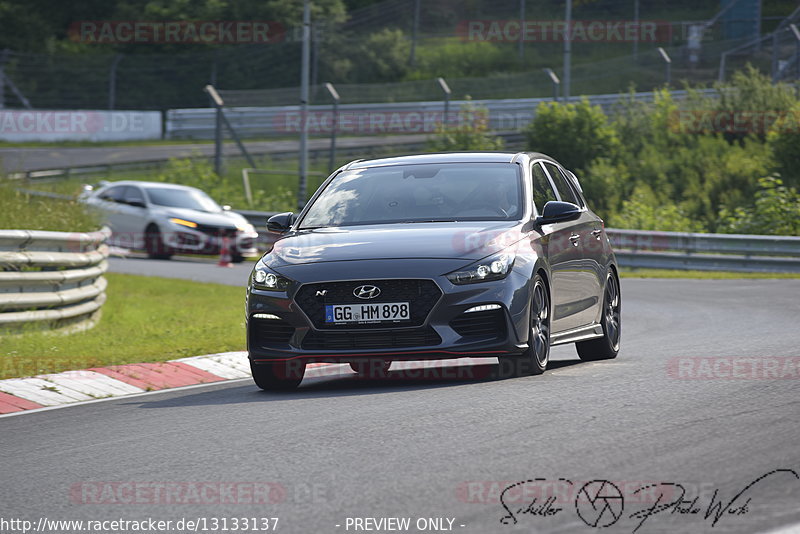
3	59
112	81
335	126
446	90
556	82
414	31
217	101
668	62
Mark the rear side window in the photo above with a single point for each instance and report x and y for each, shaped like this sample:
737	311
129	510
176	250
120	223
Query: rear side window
542	190
564	189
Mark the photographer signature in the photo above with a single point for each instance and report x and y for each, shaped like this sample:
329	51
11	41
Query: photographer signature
600	503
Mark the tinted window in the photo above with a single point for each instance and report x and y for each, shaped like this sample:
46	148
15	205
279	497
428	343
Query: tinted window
114	194
564	190
542	190
182	198
134	195
419	193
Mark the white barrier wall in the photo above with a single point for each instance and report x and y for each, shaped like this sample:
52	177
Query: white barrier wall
40	125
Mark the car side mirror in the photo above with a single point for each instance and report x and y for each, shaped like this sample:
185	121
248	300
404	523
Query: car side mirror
280	223
555	211
226	208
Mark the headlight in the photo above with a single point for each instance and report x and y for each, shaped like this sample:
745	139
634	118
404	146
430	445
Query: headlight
247	228
266	279
183	222
495	267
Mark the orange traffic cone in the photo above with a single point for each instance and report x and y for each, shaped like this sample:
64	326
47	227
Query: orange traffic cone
224	254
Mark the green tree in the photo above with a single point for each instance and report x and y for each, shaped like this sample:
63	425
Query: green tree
750	91
470	132
573	133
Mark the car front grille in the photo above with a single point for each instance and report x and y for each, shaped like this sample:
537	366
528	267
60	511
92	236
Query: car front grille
377	339
421	295
489	323
266	332
216	231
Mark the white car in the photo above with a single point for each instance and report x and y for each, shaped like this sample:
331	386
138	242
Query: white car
165	219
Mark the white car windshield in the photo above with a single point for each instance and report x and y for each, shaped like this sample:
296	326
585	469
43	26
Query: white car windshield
182	198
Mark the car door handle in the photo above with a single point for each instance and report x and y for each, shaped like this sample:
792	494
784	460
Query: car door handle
574	238
597	233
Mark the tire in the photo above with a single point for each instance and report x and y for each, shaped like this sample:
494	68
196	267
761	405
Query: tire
534	360
154	244
371	368
606	347
279	376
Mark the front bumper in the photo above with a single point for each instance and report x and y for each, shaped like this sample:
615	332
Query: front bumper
279	328
190	241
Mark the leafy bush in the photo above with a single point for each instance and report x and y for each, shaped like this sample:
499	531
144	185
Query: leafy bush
383	57
470	132
752	91
605	183
776	211
644	210
573	133
455	58
784	140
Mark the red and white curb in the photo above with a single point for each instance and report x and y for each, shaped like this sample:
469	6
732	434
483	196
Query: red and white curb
97	383
21	394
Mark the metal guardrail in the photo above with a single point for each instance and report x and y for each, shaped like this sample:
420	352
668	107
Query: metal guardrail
52	278
706	252
670	250
390	118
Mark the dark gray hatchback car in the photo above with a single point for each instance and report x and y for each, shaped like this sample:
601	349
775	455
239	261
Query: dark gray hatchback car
434	256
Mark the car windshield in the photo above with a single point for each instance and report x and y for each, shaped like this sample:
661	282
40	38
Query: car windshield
182	198
418	194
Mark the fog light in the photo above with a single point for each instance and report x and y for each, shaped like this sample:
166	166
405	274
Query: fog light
485	307
266	316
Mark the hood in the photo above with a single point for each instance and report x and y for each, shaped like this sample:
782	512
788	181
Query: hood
463	241
226	219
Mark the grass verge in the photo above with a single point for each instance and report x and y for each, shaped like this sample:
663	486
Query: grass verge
20	211
703	275
144	320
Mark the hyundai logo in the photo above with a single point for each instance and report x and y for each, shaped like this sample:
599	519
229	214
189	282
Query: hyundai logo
367	292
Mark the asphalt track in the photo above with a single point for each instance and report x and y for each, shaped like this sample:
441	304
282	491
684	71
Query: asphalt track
423	447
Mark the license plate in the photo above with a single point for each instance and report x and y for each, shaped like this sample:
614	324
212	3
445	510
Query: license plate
383	312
